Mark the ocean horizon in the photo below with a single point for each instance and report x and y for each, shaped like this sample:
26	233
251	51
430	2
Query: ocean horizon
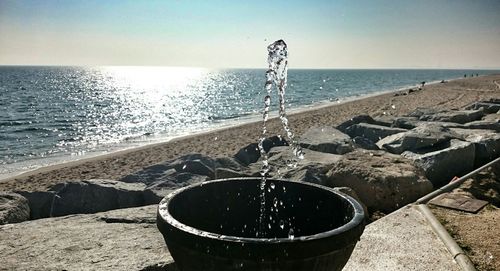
54	114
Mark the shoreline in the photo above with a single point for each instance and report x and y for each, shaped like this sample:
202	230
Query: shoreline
124	148
228	139
45	163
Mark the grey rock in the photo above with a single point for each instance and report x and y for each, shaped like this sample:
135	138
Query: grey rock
383	181
484	124
222	173
14	208
454	158
492	117
167	171
419	112
326	139
406	122
125	239
284	165
489	108
197	167
357	119
385	120
456	116
92	196
372	131
40	202
159	189
251	153
424	136
486	144
364	143
228	163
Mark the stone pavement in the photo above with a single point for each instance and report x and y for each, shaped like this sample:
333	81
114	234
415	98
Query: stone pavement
402	240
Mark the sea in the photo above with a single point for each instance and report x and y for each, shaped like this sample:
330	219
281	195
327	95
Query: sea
54	114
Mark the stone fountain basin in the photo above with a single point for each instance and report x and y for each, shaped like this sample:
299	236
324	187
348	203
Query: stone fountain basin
216	225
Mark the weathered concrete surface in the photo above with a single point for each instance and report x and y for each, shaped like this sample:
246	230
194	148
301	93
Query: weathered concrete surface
402	240
125	239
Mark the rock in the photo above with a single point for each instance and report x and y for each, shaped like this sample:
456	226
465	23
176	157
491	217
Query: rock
424	136
489	108
194	163
483	124
196	167
486	144
284	165
125	239
454	158
326	139
251	153
384	120
228	163
382	181
456	116
419	112
492	117
357	119
14	208
40	202
156	191
364	143
92	196
406	122
372	131
223	173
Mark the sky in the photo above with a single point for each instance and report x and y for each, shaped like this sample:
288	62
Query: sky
234	34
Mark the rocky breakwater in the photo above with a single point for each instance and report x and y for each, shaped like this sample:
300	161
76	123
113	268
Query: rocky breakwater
386	162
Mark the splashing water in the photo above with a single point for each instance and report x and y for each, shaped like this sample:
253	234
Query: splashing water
277	75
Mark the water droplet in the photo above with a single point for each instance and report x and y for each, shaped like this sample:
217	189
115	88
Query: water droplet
275	202
291	234
393	106
272	185
282	224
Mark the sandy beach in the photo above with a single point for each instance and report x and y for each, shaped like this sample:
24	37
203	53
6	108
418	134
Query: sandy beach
226	142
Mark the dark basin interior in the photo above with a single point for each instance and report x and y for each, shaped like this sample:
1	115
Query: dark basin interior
222	220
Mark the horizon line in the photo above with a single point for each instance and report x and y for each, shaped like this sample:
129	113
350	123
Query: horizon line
258	68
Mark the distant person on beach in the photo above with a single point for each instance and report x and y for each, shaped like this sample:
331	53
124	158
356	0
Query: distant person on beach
465	75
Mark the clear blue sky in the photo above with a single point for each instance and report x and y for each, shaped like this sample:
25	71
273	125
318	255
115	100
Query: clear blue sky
216	33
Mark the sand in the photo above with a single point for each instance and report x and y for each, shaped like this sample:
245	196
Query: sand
226	142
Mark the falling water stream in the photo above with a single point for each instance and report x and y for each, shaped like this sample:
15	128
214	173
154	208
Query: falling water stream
277	75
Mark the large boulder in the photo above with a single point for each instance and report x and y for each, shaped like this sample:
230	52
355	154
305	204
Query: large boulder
372	131
125	239
364	143
488	107
251	153
453	158
326	139
456	116
383	181
486	144
14	208
355	120
156	191
423	136
284	165
484	124
40	202
92	196
194	163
